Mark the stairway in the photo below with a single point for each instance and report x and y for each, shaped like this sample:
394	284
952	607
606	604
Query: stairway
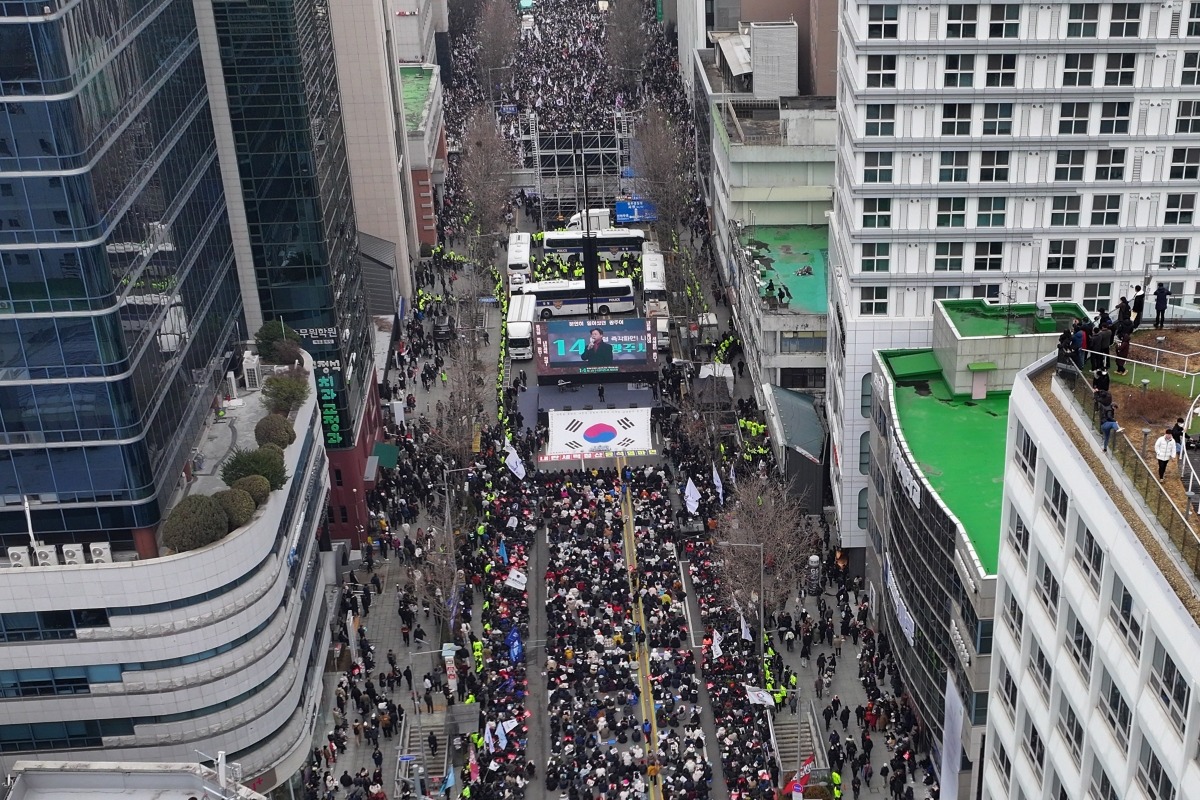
417	745
788	732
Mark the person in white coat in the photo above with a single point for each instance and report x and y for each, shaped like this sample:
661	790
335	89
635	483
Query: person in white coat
1164	451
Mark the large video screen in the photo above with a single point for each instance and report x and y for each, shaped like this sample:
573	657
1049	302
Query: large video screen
592	347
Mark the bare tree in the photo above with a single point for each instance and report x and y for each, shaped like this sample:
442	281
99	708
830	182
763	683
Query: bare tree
761	510
661	168
434	577
486	170
627	41
497	32
463	14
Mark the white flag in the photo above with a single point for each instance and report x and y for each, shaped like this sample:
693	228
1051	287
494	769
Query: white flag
716	647
489	740
501	737
514	463
732	476
691	496
759	697
717	483
745	628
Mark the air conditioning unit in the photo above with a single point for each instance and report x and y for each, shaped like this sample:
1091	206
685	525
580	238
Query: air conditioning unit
252	371
73	554
101	552
18	557
47	555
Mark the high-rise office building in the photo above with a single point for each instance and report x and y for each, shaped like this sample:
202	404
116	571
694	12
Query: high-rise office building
119	302
278	119
1056	162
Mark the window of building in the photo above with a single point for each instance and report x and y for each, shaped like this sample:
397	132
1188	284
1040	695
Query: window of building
991	212
1119	69
1070	728
947	292
986	291
1054	501
802	377
1102	254
993	166
1187	117
1102	786
1047	586
1014	615
951	212
1185	163
1018	531
345	514
954	166
1005	21
1001	69
864	453
956	119
863	508
61	217
1173	254
1073	118
989	256
1191	68
1068	165
1089	555
873	301
881	119
881	72
882	21
960	71
1008	688
997	119
1078	69
1058	292
337	477
1035	748
1169	685
961	20
1106	209
801	342
1114	118
1064	210
1125	20
1003	763
1125	614
1061	254
38	626
1110	165
1193	28
948	257
877	168
51	681
1081	20
1026	453
876	256
1097	296
72	734
1114	708
877	212
1154	779
865	394
1180	209
1079	644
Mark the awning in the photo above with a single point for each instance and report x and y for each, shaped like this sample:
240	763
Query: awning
796	414
736	52
372	469
388	454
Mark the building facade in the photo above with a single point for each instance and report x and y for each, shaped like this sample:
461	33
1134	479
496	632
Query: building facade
1053	165
118	295
272	68
1096	648
216	649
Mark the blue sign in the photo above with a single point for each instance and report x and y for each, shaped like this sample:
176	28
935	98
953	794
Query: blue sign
408	758
635	211
508	108
516	648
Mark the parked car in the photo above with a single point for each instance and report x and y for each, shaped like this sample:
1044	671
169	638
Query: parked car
444	328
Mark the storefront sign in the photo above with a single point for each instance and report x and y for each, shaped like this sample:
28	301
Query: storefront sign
908	482
331	401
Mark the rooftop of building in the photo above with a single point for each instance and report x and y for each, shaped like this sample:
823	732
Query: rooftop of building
416	84
957	444
794	257
223	435
100	780
980	318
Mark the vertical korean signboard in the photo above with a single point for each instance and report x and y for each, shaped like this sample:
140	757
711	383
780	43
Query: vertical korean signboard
331	385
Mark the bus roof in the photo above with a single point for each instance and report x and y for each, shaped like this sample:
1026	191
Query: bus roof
607	283
518	237
627	233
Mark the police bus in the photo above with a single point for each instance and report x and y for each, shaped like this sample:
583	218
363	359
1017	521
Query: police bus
611	243
570	298
518	258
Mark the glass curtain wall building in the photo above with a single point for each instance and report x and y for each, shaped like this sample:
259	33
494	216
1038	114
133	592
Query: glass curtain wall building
118	298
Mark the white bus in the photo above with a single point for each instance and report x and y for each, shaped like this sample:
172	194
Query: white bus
655	298
570	298
611	243
522	314
518	259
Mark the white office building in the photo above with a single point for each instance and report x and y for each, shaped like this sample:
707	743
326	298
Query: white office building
1015	152
1096	648
112	657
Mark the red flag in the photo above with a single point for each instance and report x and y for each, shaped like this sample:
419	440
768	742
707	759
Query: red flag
802	777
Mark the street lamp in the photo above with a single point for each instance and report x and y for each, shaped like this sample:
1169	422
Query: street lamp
762	569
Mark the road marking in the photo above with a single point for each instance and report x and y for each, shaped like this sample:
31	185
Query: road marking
687	608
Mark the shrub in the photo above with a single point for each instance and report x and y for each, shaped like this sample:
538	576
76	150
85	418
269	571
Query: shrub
238	506
264	462
271	447
197	521
274	429
258	487
286	392
270	336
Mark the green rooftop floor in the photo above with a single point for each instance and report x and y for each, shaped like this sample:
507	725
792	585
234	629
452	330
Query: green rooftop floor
415	83
977	318
786	250
958	444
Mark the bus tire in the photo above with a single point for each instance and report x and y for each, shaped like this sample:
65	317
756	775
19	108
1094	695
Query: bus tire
603	310
546	314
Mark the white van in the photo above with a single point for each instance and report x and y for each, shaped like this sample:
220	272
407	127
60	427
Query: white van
518	258
522	314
